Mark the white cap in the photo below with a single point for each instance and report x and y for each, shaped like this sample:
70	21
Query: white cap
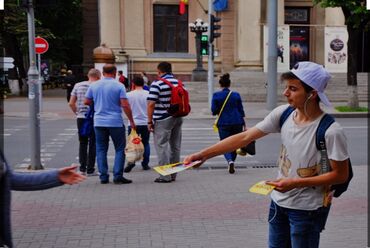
314	75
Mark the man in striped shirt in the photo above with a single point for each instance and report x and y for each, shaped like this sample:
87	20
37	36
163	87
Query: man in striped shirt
87	148
166	128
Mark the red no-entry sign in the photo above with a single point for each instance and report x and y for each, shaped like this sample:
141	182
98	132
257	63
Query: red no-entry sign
41	45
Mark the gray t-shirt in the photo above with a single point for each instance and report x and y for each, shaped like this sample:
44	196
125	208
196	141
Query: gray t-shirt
138	103
298	150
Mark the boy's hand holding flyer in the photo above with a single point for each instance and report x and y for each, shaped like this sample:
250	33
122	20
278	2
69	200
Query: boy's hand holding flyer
261	188
169	169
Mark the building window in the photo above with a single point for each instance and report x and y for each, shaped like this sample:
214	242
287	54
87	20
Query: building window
170	29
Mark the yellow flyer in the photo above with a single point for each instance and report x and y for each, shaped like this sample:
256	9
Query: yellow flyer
261	188
169	169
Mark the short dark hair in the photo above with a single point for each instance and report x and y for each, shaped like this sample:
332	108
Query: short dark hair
165	67
225	80
291	76
109	69
138	81
120	72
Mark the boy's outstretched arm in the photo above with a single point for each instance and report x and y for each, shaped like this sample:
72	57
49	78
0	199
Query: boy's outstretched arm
227	145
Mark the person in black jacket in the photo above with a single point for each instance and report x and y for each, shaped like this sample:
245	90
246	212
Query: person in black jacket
69	82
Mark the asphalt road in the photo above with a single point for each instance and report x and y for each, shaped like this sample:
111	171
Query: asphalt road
59	142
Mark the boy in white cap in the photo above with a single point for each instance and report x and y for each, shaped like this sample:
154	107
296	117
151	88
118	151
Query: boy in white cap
300	202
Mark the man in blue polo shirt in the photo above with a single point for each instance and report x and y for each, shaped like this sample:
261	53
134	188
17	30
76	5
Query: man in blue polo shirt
109	97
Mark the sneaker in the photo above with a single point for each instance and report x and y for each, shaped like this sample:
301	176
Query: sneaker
241	152
146	167
129	167
161	180
122	181
83	173
231	167
104	181
93	174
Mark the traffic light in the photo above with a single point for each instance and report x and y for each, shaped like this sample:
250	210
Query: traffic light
214	27
204	45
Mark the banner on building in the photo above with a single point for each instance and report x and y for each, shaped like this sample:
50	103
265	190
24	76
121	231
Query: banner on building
336	54
282	48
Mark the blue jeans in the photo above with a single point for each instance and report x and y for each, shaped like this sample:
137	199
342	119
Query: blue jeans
102	143
144	133
227	131
291	228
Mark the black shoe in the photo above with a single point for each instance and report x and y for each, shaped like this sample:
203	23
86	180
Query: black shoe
231	168
146	167
161	180
104	181
129	167
122	181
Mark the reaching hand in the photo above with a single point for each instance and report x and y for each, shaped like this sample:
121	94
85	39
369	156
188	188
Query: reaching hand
68	175
194	157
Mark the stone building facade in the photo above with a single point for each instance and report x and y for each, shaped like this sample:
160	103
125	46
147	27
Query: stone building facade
144	32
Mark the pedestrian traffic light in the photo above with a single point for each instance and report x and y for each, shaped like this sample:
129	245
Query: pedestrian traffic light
204	45
214	27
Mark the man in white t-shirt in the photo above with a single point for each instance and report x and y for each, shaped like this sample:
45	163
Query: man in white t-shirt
297	212
137	99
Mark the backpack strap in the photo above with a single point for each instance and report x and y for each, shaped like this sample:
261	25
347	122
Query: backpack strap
324	124
284	116
179	83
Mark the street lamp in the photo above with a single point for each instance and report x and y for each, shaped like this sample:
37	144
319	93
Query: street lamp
198	27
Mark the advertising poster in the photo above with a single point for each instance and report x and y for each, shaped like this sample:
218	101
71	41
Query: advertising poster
282	48
299	44
336	55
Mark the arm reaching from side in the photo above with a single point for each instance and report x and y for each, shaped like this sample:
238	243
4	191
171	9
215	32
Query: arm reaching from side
227	145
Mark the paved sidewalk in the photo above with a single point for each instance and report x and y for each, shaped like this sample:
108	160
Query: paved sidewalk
203	208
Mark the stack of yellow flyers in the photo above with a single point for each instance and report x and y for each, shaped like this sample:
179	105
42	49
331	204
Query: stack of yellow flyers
169	169
261	188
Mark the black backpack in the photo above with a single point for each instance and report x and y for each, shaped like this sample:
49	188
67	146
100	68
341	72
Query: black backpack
324	124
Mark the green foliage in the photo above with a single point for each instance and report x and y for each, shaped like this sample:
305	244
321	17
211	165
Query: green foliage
15	23
348	109
64	19
59	22
355	12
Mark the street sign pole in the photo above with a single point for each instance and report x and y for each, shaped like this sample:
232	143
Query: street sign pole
210	57
33	93
40	80
272	55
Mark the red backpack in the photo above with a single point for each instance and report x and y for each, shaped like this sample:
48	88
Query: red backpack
179	105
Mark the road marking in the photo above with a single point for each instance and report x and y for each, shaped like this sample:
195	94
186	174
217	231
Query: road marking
356	127
50	149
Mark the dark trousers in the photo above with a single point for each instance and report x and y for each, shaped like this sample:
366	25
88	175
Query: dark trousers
87	150
226	131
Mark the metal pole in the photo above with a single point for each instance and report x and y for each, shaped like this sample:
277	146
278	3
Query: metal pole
210	56
41	80
198	36
33	93
272	56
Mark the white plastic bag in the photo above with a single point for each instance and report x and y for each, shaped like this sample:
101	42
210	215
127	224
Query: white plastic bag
134	149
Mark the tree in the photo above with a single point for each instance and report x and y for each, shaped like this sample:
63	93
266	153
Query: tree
15	37
58	21
357	19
